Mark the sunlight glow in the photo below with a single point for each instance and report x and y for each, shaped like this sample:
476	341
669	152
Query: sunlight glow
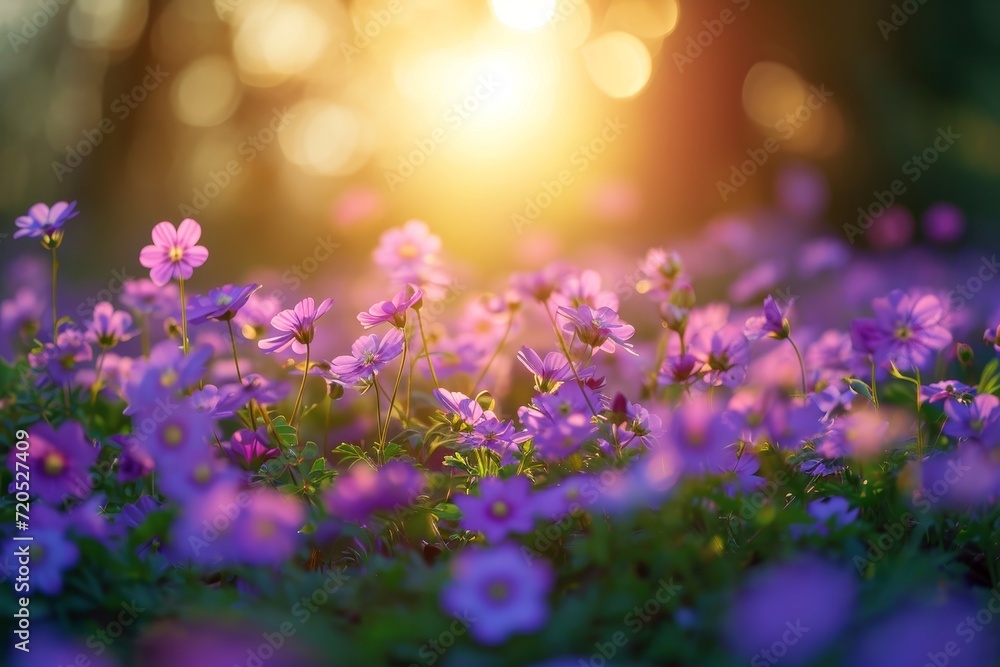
524	14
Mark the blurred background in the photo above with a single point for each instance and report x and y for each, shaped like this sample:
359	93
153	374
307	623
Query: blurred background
520	130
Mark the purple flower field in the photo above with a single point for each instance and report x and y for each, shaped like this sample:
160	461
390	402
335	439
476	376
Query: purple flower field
545	472
499	333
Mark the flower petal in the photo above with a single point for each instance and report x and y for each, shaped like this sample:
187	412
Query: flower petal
161	273
196	255
152	255
164	234
188	233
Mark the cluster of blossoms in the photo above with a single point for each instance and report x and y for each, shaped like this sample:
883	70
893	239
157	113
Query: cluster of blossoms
588	420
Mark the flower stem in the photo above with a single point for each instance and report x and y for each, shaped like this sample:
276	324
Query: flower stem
395	388
239	375
184	319
302	388
97	378
378	410
496	352
569	360
55	317
802	368
427	351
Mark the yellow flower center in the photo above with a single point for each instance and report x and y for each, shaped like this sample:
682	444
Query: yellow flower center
172	435
408	251
499	509
498	591
54	463
203	473
176	253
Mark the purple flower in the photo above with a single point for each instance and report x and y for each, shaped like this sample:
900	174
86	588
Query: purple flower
584	289
250	448
600	329
832	512
368	357
21	314
52	552
465	409
705	437
167	371
499	590
771	606
360	491
267	532
679	369
134	462
905	331
406	250
393	311
550	372
174	253
43	221
944	223
298	325
62	359
992	337
862	434
146	298
498	436
979	419
502	507
255	315
947	389
771	324
220	304
724	353
58	461
109	326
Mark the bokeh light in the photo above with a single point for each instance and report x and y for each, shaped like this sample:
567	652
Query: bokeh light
524	14
618	63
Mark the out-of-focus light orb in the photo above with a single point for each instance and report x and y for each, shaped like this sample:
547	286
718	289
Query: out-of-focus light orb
109	24
572	23
619	64
645	18
772	90
327	139
206	92
274	42
524	14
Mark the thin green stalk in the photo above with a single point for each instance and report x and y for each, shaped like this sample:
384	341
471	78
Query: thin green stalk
395	388
503	341
97	378
378	410
427	350
569	360
184	319
55	316
302	388
239	375
802	369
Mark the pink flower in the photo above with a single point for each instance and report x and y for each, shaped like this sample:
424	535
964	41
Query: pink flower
298	325
174	253
393	311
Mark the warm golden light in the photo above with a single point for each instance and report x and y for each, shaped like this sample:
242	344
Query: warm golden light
206	92
111	24
524	14
771	90
645	18
275	42
619	64
328	139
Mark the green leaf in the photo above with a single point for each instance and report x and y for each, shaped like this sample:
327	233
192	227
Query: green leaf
318	465
392	450
989	382
310	451
861	388
287	436
447	511
352	454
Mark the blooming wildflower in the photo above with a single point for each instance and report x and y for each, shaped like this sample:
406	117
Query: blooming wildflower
584	289
679	369
946	389
174	253
51	550
964	479
600	329
109	326
906	330
979	418
393	311
250	448
62	359
467	410
500	590
862	434
503	506
134	462
498	436
541	284
824	254
771	606
550	372
361	491
146	298
267	532
298	324
58	461
724	353
252	319
368	357
45	222
221	303
637	426
834	512
992	337
167	372
772	323
662	271
405	249
21	314
705	437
